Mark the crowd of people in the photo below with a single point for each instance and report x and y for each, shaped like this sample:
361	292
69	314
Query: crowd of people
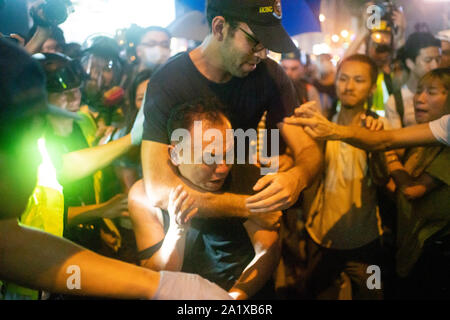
96	176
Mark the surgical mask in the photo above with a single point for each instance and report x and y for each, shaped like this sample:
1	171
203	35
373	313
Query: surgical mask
156	55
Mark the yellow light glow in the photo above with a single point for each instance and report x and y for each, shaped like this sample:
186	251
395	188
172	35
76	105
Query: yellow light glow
335	38
344	33
322	18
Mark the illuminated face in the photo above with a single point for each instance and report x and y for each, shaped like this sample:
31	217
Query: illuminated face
154	48
324	65
69	100
428	59
140	92
100	71
430	101
293	68
241	52
379	47
445	60
50	46
209	177
354	84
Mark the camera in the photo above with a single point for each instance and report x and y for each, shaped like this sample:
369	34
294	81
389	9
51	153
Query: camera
387	10
51	12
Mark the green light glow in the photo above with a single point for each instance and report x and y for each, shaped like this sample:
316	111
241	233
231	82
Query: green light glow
46	171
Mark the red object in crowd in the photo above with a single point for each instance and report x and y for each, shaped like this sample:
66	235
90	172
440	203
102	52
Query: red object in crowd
113	96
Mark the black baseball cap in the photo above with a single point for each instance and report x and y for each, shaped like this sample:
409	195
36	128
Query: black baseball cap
61	71
294	55
262	16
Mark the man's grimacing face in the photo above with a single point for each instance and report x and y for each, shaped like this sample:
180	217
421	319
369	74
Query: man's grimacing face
209	177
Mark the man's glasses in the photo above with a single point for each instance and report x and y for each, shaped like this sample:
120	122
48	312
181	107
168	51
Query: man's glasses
258	46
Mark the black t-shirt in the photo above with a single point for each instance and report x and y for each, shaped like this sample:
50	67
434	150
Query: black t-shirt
267	88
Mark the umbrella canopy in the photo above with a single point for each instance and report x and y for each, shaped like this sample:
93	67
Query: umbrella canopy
299	16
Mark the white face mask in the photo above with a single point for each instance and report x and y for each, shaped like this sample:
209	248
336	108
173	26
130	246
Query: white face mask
156	55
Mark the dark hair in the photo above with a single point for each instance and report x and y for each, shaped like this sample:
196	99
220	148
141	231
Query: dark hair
153	28
130	110
206	108
364	59
58	35
73	50
416	42
211	14
440	74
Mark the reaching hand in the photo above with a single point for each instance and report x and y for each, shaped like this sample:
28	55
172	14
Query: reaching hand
371	123
400	22
181	208
116	207
313	122
276	192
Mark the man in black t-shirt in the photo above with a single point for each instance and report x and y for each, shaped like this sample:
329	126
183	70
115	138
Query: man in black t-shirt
231	65
235	253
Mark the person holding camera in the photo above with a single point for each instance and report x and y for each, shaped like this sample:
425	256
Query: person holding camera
382	34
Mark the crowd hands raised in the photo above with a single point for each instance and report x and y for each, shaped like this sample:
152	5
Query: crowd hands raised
110	179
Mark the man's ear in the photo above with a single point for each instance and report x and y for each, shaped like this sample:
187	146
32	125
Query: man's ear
410	64
218	26
174	155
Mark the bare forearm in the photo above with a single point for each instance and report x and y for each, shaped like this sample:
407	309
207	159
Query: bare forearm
83	214
160	178
82	163
171	254
308	165
40	36
257	273
387	139
39	260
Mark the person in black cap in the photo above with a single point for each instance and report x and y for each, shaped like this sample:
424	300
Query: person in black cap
232	65
292	65
37	259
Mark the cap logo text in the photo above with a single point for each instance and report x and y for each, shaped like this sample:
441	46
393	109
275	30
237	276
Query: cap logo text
266	9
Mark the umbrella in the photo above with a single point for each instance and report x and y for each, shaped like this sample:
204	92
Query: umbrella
299	16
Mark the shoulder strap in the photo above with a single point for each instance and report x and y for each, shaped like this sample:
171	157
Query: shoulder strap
399	104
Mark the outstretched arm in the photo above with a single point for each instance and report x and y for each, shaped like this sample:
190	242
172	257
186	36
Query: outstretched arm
36	259
318	127
82	163
267	254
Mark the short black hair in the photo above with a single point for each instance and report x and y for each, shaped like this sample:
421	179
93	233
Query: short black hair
153	28
129	109
364	59
416	42
440	74
211	14
205	108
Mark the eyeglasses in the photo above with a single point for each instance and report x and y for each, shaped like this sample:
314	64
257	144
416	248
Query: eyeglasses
258	46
